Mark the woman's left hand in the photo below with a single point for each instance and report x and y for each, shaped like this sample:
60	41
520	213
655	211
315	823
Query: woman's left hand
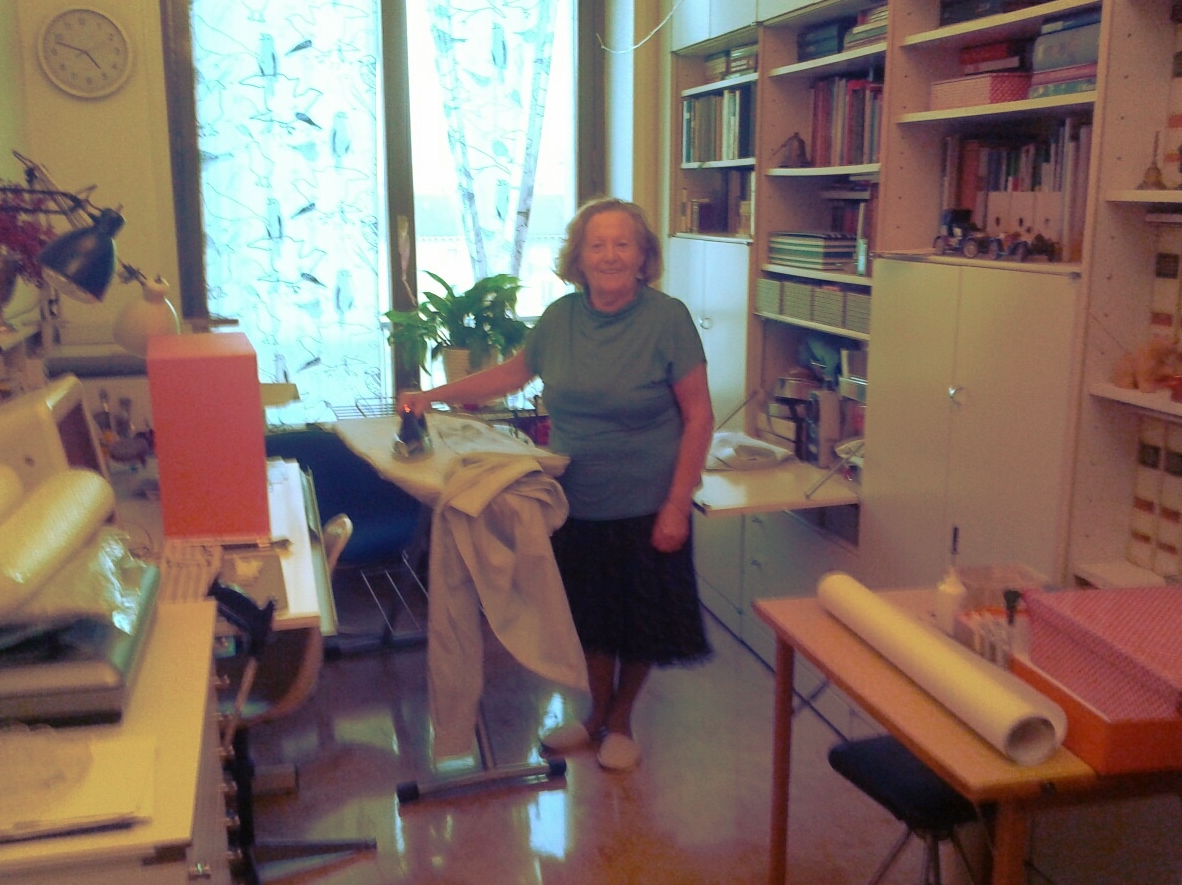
671	528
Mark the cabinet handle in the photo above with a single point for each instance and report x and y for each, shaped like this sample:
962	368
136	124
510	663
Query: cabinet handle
200	871
706	322
954	394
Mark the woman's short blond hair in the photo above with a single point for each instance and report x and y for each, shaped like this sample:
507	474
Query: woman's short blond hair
567	266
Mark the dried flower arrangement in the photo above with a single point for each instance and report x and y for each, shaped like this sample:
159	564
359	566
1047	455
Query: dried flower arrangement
22	233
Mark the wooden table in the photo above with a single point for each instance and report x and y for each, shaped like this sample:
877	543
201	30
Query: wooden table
935	735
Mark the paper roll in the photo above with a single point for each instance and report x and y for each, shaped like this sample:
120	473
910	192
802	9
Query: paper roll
54	521
11	489
1005	711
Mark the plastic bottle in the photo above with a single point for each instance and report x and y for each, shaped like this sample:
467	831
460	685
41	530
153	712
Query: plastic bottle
950	601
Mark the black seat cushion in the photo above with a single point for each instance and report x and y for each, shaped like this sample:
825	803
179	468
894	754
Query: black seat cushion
893	776
385	518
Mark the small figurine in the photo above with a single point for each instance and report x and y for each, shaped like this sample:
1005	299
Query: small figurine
793	153
1152	179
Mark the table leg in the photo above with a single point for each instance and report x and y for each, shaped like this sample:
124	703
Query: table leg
781	762
1010	829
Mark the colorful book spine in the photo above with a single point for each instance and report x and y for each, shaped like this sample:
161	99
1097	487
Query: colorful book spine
1064	87
1060	75
1061	49
1067	22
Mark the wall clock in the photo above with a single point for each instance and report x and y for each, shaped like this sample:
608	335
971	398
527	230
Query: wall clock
85	52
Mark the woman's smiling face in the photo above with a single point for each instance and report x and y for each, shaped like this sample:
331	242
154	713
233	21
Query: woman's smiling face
611	258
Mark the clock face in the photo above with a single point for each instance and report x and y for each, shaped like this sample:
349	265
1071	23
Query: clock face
85	52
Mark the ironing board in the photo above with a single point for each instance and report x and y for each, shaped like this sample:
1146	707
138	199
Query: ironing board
424	477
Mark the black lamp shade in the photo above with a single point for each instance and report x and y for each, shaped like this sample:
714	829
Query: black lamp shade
80	263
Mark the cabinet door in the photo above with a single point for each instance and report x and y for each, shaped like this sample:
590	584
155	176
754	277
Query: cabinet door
765	9
730	15
710	276
1007	459
691	23
913	327
967	427
718	550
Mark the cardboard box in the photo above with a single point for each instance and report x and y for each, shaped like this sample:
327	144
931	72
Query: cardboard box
963	92
1118	649
208	416
1109	746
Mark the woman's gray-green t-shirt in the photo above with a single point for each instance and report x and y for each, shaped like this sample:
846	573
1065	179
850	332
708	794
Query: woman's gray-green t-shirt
608	389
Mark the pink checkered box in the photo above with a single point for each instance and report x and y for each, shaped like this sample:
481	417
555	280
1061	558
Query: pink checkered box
964	92
1120	650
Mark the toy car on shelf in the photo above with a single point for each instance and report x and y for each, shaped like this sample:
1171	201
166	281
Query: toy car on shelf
958	235
1021	245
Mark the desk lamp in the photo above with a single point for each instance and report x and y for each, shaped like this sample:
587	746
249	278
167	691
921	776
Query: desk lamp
81	262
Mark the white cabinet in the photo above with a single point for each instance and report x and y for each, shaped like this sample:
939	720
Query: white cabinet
697	20
968	427
718	551
766	9
710	276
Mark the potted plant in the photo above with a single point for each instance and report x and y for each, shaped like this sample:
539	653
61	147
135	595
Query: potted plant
482	321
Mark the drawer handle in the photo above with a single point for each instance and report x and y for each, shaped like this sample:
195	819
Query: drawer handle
706	322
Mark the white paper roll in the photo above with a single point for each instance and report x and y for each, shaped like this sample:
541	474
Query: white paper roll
1010	715
11	490
54	521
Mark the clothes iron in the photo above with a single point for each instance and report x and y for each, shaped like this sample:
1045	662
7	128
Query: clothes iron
413	439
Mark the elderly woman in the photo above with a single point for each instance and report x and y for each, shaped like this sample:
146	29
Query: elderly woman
625	386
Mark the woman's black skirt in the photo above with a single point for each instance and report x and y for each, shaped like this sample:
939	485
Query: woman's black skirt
627	598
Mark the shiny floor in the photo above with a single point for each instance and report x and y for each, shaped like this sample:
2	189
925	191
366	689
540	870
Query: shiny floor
694	811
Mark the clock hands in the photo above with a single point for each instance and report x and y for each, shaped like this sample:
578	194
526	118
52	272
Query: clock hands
78	49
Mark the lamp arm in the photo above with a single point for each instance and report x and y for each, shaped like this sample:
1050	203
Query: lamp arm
72	207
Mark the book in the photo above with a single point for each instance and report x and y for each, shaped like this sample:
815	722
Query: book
1061	49
1059	75
1063	87
1073	20
1009	63
989	51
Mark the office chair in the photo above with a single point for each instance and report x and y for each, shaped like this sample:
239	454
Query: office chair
891	775
388	537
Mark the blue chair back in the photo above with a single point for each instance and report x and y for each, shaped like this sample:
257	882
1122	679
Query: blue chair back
385	518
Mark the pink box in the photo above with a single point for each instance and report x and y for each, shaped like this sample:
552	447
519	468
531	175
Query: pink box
1120	650
208	416
965	92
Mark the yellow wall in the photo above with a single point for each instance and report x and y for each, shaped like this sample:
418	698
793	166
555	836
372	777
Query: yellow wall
119	143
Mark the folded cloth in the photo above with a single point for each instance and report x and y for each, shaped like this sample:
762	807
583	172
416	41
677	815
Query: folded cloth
490	551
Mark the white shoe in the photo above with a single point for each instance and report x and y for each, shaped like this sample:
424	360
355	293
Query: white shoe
564	738
618	752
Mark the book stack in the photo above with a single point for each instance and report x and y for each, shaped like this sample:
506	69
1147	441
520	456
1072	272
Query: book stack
1065	55
1000	55
715	65
871	28
742	60
817	250
823	39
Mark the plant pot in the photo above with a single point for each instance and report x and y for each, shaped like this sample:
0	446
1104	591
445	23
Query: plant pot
456	366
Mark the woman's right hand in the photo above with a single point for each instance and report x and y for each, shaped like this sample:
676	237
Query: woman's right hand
415	400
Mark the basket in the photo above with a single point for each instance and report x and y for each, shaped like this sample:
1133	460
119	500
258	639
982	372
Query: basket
857	312
828	306
767	296
797	300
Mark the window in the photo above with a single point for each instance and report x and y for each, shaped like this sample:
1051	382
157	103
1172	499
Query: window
292	111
